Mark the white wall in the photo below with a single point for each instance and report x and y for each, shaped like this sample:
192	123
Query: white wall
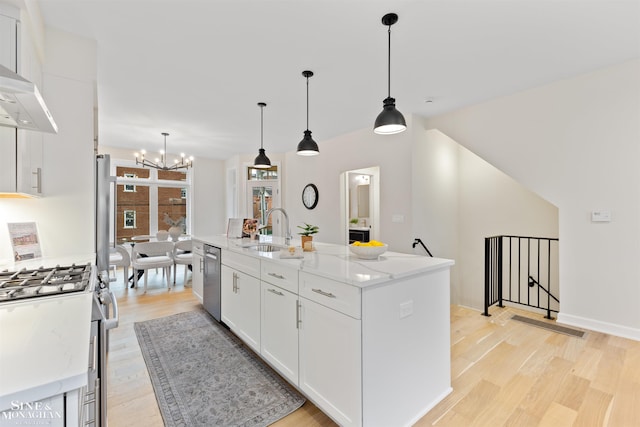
356	150
65	212
575	143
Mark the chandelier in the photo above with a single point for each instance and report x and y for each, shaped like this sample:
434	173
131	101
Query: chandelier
161	163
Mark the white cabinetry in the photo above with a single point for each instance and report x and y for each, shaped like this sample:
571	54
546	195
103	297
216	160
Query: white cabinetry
197	269
240	294
280	318
279	330
330	348
20	151
373	354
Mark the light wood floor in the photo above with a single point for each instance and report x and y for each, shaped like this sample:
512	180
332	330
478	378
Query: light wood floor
504	373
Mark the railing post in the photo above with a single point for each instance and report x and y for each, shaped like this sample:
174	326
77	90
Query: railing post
487	261
499	254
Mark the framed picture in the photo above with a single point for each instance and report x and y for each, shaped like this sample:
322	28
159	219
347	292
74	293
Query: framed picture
24	240
234	228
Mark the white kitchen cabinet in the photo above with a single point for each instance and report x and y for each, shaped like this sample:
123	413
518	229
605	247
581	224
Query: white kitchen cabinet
240	294
372	353
279	330
330	353
21	151
197	270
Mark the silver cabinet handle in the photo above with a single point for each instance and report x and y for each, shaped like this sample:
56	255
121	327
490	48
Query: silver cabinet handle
273	291
201	265
94	349
298	319
321	292
235	282
277	276
38	174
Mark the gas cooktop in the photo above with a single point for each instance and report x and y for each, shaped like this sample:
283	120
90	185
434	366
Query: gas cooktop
40	282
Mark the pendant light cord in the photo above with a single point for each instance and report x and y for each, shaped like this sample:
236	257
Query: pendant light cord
261	124
307	103
389	65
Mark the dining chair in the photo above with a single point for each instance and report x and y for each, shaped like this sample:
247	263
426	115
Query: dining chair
119	257
148	255
182	255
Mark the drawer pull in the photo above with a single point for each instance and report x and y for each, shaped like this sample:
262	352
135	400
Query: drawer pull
277	276
273	291
321	292
298	319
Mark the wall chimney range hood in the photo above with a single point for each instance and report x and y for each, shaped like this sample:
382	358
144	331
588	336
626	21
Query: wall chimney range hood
21	105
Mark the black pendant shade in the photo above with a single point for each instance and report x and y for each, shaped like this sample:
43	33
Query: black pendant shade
307	147
390	120
262	161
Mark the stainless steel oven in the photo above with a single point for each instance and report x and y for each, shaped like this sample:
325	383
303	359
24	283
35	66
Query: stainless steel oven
104	316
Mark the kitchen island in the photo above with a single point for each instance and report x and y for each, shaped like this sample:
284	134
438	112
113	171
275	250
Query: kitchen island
367	341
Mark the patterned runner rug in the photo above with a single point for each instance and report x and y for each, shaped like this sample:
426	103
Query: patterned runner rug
203	375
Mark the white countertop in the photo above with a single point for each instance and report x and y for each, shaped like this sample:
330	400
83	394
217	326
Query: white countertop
337	262
45	341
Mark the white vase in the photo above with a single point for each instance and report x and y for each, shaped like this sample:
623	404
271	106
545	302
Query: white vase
162	235
175	232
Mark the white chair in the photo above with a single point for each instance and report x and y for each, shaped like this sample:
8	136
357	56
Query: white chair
119	257
151	255
182	255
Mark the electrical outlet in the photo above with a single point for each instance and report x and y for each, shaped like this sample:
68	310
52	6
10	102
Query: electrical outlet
406	309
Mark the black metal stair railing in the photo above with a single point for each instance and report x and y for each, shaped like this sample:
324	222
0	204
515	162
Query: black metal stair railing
521	270
417	241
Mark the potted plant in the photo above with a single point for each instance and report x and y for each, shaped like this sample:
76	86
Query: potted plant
306	234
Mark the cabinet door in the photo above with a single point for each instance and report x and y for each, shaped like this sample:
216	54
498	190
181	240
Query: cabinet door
330	361
30	148
241	305
279	330
7	160
197	276
8	43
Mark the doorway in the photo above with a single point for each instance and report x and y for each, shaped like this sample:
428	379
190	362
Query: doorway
360	204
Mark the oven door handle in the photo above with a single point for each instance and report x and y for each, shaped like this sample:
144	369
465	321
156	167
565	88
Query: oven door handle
110	299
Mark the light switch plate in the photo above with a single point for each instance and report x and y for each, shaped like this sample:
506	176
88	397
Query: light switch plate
397	218
600	216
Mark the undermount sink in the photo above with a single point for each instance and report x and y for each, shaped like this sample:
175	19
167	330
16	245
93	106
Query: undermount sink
266	247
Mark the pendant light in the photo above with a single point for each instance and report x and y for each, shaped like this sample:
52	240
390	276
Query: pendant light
390	120
308	147
262	161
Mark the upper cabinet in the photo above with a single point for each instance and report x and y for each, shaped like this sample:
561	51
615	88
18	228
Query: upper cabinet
21	151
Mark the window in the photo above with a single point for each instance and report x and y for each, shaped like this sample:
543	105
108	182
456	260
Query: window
254	174
129	188
129	219
145	197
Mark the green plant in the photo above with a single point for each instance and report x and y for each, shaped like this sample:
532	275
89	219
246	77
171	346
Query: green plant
354	220
308	229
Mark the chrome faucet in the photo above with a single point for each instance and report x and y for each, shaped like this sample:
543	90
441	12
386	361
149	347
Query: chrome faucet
287	236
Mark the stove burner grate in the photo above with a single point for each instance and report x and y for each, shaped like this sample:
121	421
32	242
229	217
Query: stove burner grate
15	285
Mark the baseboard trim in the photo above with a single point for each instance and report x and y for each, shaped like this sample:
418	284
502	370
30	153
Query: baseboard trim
598	326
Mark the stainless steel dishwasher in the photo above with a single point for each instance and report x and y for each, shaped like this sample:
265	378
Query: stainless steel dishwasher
211	288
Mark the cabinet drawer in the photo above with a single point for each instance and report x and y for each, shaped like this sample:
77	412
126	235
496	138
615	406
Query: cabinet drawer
245	263
279	275
338	296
